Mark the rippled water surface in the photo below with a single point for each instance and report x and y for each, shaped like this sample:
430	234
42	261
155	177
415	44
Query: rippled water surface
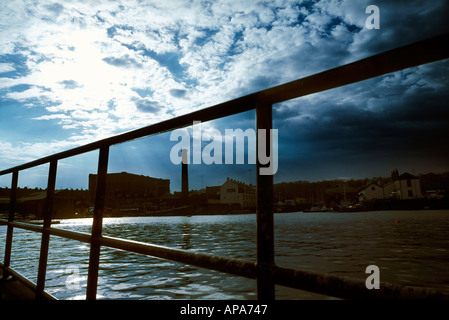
409	247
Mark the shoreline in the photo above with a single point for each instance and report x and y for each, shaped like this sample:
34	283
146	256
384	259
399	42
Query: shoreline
56	220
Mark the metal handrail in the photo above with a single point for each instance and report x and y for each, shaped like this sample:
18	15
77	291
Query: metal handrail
264	269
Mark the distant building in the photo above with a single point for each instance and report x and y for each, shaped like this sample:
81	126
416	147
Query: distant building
236	192
127	190
70	203
66	203
213	194
403	187
372	191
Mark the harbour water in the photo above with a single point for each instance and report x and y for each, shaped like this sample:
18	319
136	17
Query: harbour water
409	247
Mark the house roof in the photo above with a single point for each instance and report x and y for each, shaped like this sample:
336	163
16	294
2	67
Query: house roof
369	184
124	173
238	183
407	176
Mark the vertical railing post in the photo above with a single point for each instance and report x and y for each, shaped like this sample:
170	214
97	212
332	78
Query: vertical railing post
95	247
45	234
9	232
264	209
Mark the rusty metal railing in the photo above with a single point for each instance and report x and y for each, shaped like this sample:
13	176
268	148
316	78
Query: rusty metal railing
264	269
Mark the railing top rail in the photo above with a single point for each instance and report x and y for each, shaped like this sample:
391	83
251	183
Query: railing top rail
417	53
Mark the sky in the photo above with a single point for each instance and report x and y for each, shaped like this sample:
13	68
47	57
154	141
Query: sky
74	72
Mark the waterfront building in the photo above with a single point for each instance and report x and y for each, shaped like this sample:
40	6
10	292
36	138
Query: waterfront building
237	192
213	194
131	191
67	203
372	191
402	187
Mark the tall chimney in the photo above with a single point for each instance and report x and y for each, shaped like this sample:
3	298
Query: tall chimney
185	176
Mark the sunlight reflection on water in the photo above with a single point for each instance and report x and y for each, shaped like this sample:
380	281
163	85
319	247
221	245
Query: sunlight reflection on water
413	252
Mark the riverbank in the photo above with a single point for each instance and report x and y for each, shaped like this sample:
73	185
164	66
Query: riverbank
220	209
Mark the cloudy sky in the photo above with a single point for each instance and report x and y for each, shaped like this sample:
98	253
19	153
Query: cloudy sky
73	72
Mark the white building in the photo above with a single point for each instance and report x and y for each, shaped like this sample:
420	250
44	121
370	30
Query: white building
372	191
403	187
237	192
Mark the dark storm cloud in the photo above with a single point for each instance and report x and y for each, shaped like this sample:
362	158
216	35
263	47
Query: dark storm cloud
403	22
404	116
369	128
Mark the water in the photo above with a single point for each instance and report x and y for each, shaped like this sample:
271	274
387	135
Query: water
409	247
